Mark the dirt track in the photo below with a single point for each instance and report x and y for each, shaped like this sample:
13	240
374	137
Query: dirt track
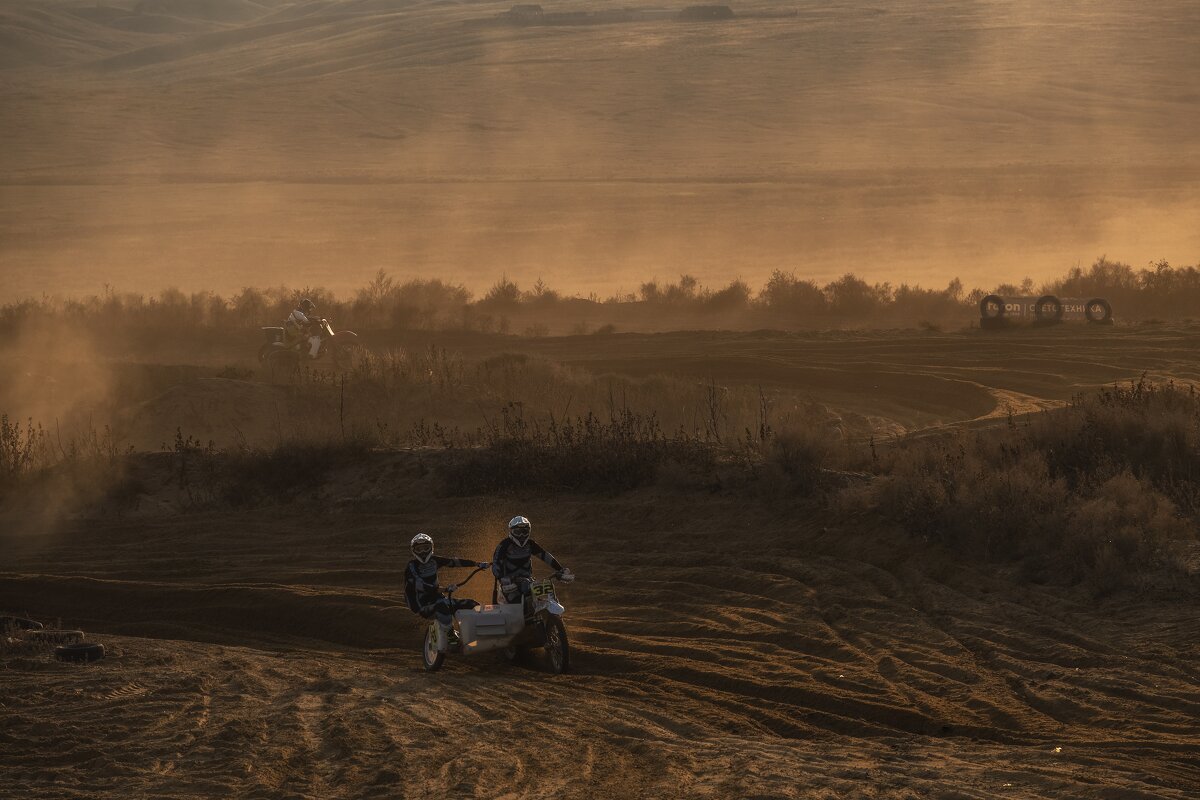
822	664
874	383
718	651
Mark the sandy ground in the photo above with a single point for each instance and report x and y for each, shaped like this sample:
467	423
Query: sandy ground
718	651
213	145
794	663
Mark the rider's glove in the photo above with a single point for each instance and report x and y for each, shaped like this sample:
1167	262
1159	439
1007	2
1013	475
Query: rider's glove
567	576
484	565
506	585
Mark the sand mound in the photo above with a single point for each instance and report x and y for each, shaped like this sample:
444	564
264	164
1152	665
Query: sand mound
225	411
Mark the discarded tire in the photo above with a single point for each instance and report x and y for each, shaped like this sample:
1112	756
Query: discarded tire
80	652
1098	310
991	307
53	636
1048	309
8	623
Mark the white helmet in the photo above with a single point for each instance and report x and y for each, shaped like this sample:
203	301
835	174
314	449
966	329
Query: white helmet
422	547
518	530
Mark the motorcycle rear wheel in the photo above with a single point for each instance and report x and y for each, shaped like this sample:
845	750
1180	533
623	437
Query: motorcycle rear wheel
283	365
429	653
558	652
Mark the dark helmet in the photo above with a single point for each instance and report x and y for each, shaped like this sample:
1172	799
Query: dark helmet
518	530
307	306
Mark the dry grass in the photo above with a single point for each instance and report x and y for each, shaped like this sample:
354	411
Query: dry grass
586	453
1098	491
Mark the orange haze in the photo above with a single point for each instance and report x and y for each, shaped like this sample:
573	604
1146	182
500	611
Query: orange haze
224	144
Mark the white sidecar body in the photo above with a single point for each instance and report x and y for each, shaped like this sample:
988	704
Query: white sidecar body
489	627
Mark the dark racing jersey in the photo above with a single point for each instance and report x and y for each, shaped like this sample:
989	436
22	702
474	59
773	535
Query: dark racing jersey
514	562
421	580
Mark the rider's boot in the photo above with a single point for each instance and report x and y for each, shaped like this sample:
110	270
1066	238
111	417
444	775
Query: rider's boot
443	642
316	346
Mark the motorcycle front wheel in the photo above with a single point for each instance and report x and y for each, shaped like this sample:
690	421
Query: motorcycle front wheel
346	350
558	652
429	653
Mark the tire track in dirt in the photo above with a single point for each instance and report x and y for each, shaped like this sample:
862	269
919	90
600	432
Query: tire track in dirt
904	381
718	652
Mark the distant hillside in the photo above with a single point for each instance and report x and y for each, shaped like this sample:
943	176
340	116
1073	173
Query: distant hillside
287	142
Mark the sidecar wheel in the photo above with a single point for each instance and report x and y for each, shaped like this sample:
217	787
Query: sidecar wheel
558	652
429	653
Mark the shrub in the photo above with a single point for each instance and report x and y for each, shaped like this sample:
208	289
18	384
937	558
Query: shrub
798	456
786	293
853	297
504	295
1098	491
734	297
586	453
22	450
542	295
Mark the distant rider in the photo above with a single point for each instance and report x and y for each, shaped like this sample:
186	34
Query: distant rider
302	323
421	587
512	563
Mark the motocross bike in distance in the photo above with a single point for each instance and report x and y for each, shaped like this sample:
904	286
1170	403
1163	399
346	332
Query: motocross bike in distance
281	356
514	628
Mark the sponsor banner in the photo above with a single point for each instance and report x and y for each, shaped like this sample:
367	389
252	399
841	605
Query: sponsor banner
1023	308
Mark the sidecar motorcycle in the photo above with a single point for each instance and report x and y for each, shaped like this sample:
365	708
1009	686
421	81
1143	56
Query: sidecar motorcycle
515	628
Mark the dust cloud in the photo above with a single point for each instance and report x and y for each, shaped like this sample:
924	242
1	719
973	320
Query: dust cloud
56	376
221	146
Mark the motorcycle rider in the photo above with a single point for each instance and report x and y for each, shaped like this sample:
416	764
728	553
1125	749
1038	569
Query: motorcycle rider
512	563
302	322
421	587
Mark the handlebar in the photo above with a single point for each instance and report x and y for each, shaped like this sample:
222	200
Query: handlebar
454	587
554	576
